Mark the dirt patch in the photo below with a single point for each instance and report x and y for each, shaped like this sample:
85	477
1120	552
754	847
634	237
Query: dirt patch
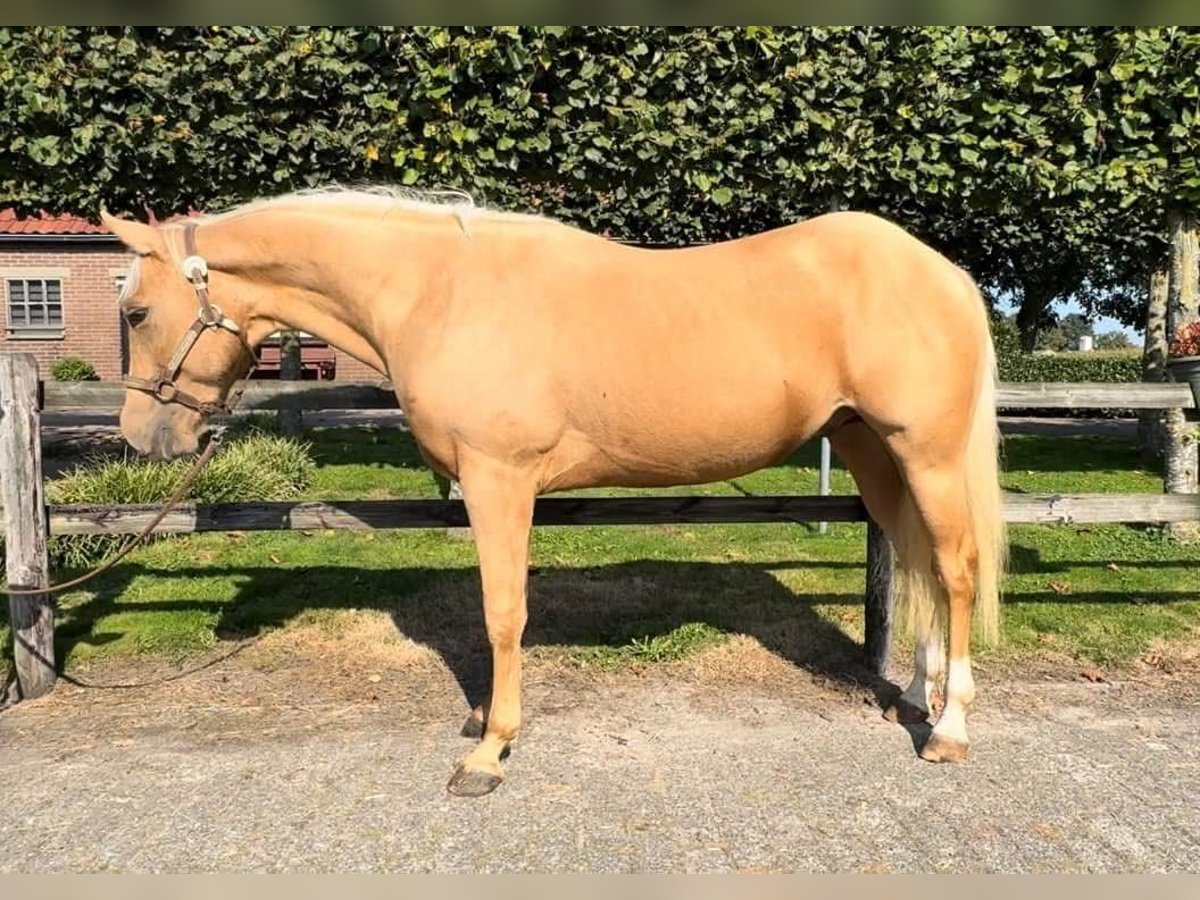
300	677
350	667
354	665
1169	672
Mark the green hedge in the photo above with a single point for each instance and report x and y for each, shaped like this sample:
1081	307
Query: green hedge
1015	365
1111	367
986	141
1118	367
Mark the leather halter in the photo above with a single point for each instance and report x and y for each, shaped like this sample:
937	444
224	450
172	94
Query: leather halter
162	385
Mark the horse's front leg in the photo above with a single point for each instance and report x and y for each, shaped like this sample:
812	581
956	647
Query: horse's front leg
500	506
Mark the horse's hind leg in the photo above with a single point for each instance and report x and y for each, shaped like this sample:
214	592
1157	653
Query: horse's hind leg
500	506
884	493
940	496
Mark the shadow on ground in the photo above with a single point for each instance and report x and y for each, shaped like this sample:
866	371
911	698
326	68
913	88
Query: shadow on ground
602	606
606	606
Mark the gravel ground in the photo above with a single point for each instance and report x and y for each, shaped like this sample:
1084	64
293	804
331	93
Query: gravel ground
630	774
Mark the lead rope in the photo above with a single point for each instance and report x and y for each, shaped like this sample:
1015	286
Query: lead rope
172	501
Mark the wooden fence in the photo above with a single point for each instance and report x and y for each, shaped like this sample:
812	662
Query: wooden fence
27	520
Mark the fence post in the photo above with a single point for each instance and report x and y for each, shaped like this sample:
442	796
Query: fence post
26	566
879	601
880	597
290	417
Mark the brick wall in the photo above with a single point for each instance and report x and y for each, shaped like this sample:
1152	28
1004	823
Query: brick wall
91	326
350	369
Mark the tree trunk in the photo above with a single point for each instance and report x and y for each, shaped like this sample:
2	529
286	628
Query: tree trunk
1154	364
1183	295
1029	316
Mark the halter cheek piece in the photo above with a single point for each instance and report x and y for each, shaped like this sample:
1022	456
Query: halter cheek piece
162	385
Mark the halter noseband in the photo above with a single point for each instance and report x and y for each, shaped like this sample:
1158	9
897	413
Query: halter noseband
162	385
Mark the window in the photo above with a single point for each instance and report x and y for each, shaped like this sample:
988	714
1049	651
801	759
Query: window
35	307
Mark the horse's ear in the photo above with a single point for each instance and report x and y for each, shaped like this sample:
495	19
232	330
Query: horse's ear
144	240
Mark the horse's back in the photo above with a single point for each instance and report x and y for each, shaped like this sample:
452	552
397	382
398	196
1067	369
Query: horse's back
791	314
625	365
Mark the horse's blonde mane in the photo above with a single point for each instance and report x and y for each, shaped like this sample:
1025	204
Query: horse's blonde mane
380	199
459	204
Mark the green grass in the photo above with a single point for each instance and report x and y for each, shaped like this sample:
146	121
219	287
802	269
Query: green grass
608	596
677	643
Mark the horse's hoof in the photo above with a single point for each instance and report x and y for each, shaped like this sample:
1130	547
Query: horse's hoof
472	783
472	728
904	713
943	749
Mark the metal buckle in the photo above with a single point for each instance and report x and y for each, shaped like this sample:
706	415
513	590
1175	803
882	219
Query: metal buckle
195	268
212	310
166	391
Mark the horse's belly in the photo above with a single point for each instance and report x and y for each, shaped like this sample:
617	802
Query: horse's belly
674	445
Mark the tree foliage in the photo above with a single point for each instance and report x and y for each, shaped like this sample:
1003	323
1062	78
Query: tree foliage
1066	333
1113	340
1041	159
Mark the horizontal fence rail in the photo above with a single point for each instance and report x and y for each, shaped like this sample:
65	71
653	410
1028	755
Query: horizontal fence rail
267	395
102	396
369	514
107	396
359	515
1089	395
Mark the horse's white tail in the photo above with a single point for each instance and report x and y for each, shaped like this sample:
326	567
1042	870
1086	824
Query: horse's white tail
920	595
986	502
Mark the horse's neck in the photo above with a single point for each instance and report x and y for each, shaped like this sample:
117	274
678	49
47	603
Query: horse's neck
351	281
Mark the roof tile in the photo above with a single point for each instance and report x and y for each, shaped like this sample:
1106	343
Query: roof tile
46	224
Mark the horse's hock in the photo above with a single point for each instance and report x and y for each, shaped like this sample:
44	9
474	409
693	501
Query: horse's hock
28	522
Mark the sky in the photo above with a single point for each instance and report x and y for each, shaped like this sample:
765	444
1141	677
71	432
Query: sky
1100	325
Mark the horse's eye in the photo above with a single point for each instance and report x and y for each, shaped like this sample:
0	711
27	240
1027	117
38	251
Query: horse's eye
136	316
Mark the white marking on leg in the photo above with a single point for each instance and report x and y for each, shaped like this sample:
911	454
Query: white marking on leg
927	668
960	692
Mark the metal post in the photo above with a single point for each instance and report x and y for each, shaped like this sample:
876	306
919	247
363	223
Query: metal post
836	204
823	484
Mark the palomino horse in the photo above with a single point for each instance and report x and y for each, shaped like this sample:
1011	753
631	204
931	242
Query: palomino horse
532	357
